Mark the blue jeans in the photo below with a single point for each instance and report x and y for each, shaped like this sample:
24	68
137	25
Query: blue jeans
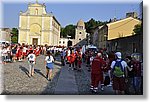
137	85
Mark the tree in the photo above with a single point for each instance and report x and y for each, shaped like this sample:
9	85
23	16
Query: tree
92	24
138	29
14	35
68	30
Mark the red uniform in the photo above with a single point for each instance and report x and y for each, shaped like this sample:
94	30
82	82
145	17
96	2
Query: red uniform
19	52
96	71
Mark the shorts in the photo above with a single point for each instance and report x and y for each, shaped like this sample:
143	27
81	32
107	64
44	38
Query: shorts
49	66
119	83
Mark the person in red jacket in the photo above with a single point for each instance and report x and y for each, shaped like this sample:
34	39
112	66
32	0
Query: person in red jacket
96	72
71	60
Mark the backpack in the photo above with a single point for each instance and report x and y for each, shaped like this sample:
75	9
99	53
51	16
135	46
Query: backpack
118	70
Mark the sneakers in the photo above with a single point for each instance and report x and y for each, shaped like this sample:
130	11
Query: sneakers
91	88
102	89
95	89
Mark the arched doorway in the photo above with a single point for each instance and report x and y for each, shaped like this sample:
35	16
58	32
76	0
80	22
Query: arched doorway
69	43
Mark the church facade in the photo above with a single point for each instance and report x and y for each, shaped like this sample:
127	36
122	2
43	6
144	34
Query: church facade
37	27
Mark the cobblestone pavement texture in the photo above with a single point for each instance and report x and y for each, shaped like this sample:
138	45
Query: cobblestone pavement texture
16	80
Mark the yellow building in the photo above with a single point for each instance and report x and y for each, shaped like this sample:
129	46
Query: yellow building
122	28
37	27
116	29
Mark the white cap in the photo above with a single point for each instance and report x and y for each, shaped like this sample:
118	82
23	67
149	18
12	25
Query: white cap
99	54
118	54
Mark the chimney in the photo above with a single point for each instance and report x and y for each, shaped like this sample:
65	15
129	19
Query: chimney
131	14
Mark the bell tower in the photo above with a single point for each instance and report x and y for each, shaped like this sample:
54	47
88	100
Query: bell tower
80	33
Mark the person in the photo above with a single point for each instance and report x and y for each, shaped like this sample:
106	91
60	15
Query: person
137	76
130	76
96	72
118	74
14	49
4	55
79	59
72	60
24	50
31	60
63	54
49	65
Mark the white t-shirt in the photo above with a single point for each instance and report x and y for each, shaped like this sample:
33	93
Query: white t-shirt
24	49
69	53
49	59
123	63
31	57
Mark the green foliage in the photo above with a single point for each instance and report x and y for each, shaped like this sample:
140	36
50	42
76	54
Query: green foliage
89	26
68	30
14	37
138	29
92	24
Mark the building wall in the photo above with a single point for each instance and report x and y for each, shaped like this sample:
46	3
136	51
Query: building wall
102	37
127	45
5	34
122	28
36	23
80	35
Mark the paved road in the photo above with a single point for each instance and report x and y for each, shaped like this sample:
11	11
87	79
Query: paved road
16	80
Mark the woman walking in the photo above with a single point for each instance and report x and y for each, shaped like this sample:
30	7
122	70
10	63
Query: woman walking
49	65
31	60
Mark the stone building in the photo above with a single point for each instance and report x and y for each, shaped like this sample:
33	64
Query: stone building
80	33
5	35
37	27
80	36
114	30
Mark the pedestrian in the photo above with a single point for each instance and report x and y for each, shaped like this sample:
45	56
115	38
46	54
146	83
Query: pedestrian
63	54
118	73
130	76
14	50
96	72
31	60
79	58
72	60
49	65
137	75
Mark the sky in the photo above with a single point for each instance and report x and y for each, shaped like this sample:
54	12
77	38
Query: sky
69	12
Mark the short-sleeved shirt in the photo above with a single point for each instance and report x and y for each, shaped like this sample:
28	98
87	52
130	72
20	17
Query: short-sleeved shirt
49	59
31	57
123	63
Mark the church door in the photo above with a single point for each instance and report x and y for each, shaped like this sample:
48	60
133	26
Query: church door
35	41
69	43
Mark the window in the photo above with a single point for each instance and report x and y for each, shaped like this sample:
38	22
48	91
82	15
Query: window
36	11
63	42
80	33
59	42
80	39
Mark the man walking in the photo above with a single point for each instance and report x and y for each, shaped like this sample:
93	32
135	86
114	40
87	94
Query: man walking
96	72
118	74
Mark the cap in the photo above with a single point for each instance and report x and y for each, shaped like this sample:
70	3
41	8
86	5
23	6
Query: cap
118	54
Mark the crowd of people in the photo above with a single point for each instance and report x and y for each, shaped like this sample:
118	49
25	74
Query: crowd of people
125	75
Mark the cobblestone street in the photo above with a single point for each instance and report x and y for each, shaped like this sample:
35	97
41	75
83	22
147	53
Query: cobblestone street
16	80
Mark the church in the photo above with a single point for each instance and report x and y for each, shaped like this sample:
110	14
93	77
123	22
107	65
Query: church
80	36
37	27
